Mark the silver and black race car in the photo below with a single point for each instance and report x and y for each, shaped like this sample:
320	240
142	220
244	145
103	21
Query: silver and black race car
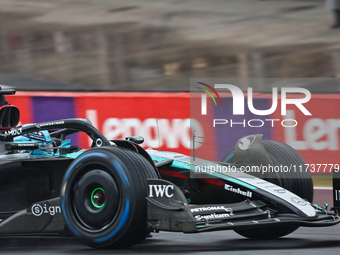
114	194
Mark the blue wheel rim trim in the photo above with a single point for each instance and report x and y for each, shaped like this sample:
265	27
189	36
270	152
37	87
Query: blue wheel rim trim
121	173
122	222
125	214
76	233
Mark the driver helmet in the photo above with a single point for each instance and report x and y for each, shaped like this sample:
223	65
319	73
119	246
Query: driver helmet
44	140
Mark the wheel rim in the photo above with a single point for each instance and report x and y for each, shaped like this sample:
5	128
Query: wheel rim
96	200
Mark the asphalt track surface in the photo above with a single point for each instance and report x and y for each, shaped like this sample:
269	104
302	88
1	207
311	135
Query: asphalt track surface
302	241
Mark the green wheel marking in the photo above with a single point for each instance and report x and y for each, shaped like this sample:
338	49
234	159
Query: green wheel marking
93	202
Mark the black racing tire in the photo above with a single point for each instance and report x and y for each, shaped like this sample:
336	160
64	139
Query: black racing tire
300	183
103	197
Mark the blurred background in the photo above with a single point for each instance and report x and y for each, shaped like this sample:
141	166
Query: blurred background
158	45
52	50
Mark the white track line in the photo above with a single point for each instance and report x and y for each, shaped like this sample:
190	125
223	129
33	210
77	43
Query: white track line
323	188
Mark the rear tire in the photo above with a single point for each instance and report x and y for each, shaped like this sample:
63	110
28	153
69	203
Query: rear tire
103	197
300	183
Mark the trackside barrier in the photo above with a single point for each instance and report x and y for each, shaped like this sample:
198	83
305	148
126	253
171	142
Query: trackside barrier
163	119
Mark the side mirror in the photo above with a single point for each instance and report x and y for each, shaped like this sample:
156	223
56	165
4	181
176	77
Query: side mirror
135	139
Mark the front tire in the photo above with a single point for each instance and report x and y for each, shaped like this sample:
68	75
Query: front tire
103	197
300	183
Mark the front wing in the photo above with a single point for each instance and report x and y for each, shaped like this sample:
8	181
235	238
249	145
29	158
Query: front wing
168	210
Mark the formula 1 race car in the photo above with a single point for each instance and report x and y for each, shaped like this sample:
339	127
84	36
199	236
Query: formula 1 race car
114	194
